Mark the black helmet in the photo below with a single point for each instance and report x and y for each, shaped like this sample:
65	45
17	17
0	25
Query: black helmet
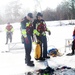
30	15
39	14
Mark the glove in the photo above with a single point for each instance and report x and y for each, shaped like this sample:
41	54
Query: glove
49	32
26	40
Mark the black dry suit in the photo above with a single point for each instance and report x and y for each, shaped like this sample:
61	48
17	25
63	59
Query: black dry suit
27	31
39	31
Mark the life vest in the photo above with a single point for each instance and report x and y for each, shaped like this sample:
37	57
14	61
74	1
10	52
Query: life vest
29	28
41	27
9	27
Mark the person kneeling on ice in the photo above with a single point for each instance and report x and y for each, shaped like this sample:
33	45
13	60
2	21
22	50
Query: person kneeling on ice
40	32
26	30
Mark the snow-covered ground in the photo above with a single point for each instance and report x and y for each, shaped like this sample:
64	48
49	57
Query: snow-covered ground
12	63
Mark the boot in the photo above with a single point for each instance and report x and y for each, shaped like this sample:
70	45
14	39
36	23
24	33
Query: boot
70	54
47	57
6	43
41	59
30	64
29	61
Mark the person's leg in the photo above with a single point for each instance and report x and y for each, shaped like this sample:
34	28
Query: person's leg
39	38
7	38
28	48
73	47
44	40
10	37
72	51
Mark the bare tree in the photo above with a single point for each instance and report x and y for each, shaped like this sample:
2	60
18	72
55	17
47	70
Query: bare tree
72	8
38	5
13	11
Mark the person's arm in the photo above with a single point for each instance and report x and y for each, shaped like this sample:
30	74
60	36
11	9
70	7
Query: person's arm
12	29
6	29
23	29
49	32
35	32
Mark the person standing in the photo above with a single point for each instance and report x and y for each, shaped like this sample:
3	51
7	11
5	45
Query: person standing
74	33
40	29
27	31
73	42
9	31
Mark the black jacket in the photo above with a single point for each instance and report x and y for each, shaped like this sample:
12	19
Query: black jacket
23	26
37	21
23	23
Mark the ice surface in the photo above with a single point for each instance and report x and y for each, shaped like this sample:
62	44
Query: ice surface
12	63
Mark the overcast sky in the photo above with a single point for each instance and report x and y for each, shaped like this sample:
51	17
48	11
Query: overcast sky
30	4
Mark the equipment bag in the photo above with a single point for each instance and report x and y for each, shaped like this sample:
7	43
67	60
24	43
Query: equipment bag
37	51
53	52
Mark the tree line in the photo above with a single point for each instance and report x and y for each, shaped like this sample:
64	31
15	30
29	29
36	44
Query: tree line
14	12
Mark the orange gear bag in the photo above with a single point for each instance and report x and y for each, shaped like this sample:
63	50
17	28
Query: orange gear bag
37	51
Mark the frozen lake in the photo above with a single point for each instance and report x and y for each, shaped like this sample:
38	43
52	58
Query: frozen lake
12	63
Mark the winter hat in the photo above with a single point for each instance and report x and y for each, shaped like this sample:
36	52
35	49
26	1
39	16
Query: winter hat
30	15
39	14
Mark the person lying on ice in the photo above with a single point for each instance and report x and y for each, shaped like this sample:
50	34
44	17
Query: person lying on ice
40	29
